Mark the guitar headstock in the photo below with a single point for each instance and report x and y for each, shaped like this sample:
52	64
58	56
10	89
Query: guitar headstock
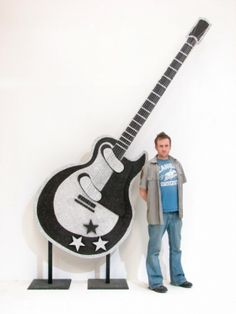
199	30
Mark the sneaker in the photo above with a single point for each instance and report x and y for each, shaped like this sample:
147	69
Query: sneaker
186	284
160	289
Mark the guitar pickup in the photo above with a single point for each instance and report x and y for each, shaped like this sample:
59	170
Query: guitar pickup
85	202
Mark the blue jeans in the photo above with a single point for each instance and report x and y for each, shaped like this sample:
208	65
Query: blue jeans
173	224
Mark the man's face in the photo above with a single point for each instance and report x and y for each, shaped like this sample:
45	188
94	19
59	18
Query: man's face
163	148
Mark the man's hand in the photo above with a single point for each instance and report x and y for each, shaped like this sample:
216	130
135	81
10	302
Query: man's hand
143	194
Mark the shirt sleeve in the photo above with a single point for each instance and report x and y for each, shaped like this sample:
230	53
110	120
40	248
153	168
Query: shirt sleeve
143	177
182	173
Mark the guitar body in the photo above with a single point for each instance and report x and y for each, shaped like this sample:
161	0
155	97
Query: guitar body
73	220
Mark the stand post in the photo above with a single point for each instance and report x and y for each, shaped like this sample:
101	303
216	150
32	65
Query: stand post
108	268
49	262
50	283
107	283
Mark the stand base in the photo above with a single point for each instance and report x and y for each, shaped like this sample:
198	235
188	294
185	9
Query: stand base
57	284
113	284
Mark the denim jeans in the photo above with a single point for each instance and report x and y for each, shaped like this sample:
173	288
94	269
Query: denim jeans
173	224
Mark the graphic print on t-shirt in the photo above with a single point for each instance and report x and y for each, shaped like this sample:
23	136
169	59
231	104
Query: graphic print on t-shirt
168	174
169	185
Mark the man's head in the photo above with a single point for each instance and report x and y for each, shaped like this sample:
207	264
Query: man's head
162	145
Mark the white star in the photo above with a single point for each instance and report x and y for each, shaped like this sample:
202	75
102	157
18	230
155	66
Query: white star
100	244
77	242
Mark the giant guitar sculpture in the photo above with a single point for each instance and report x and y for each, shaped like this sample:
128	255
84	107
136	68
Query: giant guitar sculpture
85	209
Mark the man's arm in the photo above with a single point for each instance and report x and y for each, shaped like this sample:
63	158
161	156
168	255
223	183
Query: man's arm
143	188
143	194
182	174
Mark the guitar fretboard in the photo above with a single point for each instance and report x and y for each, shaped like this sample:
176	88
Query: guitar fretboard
141	116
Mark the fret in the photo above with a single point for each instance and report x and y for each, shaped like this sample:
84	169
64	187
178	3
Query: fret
159	90
143	113
178	60
118	151
159	96
147	105
189	45
131	131
153	98
162	85
176	65
135	125
180	56
170	73
183	53
129	136
125	140
146	110
139	119
172	68
166	77
122	143
186	49
120	146
153	103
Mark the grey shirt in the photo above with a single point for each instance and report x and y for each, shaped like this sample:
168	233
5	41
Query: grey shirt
150	182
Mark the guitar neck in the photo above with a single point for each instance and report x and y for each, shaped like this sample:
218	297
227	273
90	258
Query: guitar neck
141	116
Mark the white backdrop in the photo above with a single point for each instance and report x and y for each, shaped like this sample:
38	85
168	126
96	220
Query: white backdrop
72	71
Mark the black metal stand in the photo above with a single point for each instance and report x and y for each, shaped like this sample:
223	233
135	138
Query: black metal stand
50	283
107	283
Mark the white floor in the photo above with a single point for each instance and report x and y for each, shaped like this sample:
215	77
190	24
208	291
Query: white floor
15	298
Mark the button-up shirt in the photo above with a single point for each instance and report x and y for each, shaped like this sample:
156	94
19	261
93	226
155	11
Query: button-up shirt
151	183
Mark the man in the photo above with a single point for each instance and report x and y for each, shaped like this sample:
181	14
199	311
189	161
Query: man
161	186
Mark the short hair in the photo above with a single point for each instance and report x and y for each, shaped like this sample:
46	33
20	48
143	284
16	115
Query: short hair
161	136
